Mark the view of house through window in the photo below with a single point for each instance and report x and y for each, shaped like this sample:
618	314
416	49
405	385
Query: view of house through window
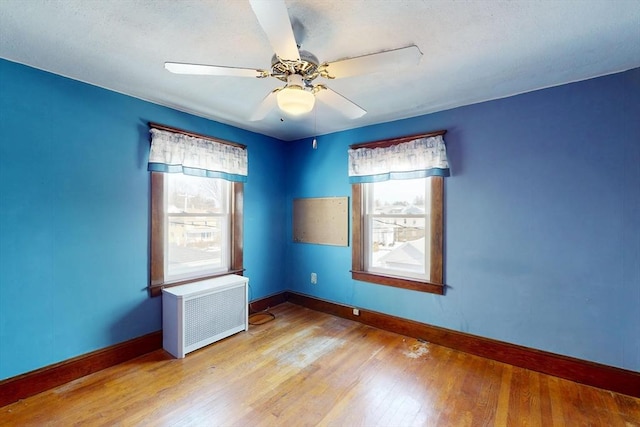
196	226
397	227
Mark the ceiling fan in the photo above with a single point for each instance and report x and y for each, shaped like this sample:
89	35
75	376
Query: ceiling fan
299	68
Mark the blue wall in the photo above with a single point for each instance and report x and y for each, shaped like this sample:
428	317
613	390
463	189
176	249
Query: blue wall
74	216
542	221
542	218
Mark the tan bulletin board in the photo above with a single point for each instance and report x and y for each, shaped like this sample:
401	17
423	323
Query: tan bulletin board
322	220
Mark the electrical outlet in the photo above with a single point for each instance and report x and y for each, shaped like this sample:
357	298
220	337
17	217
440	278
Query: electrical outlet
314	278
356	312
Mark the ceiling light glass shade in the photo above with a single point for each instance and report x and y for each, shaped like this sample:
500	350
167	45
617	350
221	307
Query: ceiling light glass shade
295	100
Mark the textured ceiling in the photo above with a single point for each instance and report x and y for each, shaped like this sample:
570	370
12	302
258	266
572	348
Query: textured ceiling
473	51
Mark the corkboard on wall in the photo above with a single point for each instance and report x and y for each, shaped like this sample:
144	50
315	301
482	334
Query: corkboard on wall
322	220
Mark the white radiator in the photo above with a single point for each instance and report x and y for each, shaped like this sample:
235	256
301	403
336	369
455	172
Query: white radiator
200	313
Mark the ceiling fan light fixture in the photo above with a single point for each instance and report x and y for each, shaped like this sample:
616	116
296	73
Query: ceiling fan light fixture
294	99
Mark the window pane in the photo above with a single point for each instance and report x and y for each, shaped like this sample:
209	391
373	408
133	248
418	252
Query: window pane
194	194
397	246
398	227
197	227
195	243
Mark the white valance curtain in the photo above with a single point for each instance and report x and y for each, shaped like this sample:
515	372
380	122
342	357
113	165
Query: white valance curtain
175	152
418	158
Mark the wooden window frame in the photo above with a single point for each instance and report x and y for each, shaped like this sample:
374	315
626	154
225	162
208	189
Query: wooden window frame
435	284
157	252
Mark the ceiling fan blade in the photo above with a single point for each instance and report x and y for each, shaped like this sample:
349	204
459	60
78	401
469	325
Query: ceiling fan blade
334	100
212	70
274	20
386	61
268	103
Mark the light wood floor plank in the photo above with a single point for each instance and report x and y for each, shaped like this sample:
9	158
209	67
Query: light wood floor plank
307	368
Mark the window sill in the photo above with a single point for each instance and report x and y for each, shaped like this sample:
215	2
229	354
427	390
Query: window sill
398	282
156	290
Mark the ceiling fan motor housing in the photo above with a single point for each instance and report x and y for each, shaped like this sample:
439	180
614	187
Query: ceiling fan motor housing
307	67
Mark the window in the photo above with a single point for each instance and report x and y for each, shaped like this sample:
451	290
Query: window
196	228
397	223
392	246
196	207
196	224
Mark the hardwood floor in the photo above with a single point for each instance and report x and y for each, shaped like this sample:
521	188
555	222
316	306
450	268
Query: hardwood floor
307	368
